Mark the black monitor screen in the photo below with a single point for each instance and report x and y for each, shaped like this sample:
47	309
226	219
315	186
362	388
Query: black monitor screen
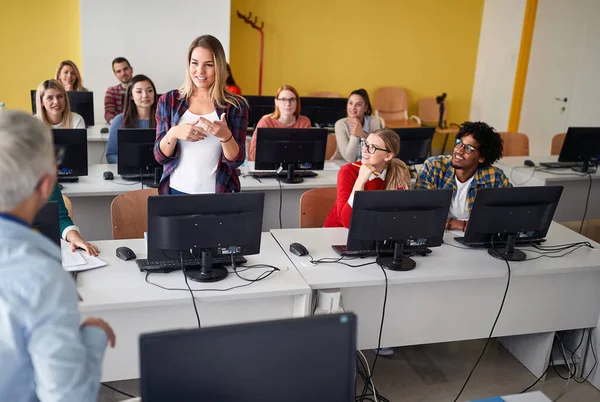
323	112
525	212
135	150
415	144
47	222
303	148
259	106
74	143
297	360
581	143
417	218
222	224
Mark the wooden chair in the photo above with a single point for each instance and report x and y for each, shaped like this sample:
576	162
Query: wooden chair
324	94
69	205
429	111
557	143
391	103
315	205
331	147
129	214
515	144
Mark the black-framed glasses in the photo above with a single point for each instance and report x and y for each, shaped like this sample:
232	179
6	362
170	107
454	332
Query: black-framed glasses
372	148
467	147
287	100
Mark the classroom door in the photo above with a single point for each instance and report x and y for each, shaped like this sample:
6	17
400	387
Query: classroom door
551	72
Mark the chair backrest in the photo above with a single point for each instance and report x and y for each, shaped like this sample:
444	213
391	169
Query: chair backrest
557	143
324	94
391	103
315	205
515	144
129	214
69	205
331	146
429	111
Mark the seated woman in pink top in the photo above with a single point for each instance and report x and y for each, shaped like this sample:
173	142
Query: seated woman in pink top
286	115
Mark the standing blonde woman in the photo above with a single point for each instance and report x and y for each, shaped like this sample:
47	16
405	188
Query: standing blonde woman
69	76
52	105
201	127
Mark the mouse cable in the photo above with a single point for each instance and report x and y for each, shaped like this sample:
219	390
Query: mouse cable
338	260
535	169
280	196
487	342
119	391
385	295
263	275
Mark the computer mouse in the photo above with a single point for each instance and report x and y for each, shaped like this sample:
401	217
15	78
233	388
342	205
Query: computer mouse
529	162
108	175
125	253
104	130
298	249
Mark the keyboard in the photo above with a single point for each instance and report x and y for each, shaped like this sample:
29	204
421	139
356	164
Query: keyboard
173	265
136	177
387	252
282	174
67	178
559	165
518	242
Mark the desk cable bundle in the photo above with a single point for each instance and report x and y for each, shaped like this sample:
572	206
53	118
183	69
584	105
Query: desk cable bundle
236	270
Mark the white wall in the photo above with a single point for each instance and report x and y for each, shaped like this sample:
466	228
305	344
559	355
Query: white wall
153	35
497	57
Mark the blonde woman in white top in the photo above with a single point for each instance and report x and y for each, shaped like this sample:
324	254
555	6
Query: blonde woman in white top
52	105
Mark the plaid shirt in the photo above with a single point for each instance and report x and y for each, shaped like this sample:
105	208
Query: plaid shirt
437	173
113	102
168	113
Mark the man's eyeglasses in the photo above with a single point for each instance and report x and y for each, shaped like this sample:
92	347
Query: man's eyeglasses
372	148
467	147
286	100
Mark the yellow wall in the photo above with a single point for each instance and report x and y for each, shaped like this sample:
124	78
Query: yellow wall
35	36
426	46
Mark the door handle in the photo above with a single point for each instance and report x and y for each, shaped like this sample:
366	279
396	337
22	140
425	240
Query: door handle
561	99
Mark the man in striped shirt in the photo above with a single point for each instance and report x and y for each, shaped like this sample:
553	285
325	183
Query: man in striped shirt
114	98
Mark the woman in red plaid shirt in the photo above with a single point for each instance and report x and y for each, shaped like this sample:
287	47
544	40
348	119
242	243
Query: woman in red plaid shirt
201	127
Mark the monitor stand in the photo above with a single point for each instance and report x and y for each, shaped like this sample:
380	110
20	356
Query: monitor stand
290	176
67	178
508	253
398	262
585	168
206	272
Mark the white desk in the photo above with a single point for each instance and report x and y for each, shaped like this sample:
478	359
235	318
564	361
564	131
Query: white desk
92	196
536	396
119	294
454	294
97	142
572	202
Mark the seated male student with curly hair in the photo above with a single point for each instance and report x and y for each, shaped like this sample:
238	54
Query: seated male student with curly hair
477	147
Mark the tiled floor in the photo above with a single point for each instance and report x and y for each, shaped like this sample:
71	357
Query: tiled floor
433	373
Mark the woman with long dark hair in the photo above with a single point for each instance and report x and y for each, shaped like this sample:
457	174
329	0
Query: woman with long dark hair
138	112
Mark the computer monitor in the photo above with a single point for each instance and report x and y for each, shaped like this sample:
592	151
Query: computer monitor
501	216
204	227
47	222
415	144
291	149
293	360
135	155
582	144
81	103
259	106
75	160
323	112
400	219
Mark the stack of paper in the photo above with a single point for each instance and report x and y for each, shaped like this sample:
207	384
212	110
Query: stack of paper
73	261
